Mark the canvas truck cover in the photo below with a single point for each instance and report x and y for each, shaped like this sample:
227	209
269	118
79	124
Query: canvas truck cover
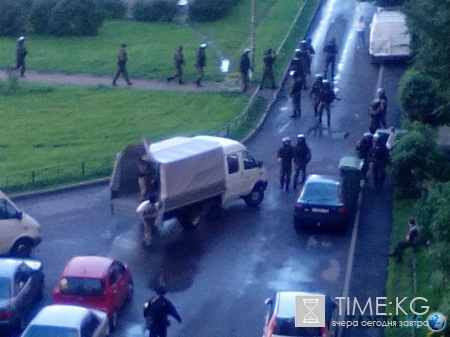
190	170
389	35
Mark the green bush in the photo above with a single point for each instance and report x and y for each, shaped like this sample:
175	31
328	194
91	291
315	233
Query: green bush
417	161
75	18
40	15
210	10
112	9
14	17
154	10
418	94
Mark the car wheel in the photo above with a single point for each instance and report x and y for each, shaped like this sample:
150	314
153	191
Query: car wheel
22	248
191	217
255	197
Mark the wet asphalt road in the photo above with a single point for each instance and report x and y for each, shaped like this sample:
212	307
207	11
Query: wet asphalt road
219	275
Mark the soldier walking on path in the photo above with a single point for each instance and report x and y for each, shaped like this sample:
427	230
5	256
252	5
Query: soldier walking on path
200	64
178	62
269	60
314	95
285	155
122	59
244	68
302	157
21	52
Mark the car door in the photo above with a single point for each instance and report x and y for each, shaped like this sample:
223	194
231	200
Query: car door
233	176
251	172
10	225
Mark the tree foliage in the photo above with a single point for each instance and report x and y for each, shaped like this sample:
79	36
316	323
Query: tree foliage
112	9
40	15
154	10
210	10
14	17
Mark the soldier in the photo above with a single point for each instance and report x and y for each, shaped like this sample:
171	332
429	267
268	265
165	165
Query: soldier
375	114
300	64
302	156
269	60
21	52
295	94
330	51
285	155
381	95
314	95
363	149
244	68
149	211
309	48
380	158
156	312
122	59
307	51
327	96
200	64
178	62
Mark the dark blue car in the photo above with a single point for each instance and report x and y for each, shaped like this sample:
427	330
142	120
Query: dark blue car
21	288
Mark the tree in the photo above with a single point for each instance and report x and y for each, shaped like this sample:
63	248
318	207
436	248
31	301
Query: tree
40	15
14	17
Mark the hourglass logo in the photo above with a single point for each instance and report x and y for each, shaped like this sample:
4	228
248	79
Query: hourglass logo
310	311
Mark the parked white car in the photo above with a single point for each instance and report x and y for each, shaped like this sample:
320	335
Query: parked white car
19	232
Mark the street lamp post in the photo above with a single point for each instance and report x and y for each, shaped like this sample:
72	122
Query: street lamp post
252	33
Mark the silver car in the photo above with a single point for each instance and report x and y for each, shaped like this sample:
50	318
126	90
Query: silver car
68	321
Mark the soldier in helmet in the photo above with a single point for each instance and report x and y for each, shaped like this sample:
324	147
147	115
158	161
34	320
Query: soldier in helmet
327	96
379	158
381	95
302	156
200	64
178	63
314	95
307	54
363	149
268	59
21	52
244	68
300	63
122	59
285	154
295	94
330	50
375	114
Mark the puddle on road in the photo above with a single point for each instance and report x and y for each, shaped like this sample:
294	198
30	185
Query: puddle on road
290	275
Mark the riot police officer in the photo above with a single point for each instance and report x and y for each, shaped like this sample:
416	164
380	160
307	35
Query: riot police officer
314	95
200	64
302	156
363	149
295	94
21	52
327	96
122	59
330	51
178	62
244	68
375	114
268	59
380	158
381	95
285	155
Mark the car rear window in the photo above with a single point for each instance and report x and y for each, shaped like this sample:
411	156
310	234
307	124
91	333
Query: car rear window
81	286
287	328
50	331
5	288
321	193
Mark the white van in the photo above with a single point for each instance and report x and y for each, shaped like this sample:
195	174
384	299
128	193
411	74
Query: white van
19	232
389	36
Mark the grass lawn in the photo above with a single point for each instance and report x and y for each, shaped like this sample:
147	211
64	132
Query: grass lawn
53	125
400	281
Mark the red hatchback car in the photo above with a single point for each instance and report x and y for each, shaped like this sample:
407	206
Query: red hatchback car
95	282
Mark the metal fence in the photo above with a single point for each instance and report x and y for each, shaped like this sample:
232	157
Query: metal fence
57	175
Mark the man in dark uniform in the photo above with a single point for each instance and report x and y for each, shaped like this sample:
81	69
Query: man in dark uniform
327	96
200	64
268	59
411	240
244	68
381	95
302	156
300	64
375	114
363	149
295	94
21	52
306	51
380	159
330	51
156	312
178	62
285	155
122	59
314	95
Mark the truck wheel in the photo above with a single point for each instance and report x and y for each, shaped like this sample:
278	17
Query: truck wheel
255	197
22	248
191	217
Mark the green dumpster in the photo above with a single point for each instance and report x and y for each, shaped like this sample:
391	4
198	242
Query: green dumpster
350	170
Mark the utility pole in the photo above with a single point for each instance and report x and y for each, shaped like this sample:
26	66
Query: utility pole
252	33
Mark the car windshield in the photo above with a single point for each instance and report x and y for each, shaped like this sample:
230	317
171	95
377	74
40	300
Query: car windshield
5	287
287	328
324	193
81	286
50	331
